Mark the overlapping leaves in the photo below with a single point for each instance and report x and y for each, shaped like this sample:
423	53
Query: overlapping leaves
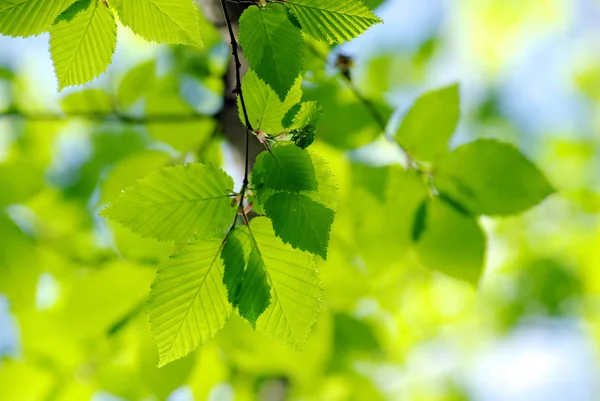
434	207
83	32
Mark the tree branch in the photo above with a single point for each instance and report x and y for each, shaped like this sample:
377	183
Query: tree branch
104	117
238	91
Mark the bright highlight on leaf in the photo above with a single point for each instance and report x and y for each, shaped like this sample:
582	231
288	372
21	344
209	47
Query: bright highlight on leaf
333	21
162	21
188	301
29	17
273	46
491	178
177	204
430	123
82	45
265	110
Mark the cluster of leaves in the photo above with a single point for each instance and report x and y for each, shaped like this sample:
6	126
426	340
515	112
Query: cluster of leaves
263	268
443	193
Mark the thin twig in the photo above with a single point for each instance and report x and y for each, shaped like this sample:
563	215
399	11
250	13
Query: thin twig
103	117
238	91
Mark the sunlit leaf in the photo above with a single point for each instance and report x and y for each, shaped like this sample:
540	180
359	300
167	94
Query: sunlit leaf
177	204
333	21
188	301
82	46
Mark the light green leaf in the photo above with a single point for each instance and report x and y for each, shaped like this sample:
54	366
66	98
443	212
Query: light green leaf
136	83
333	21
300	221
303	127
162	21
177	204
92	101
188	301
295	287
430	123
273	46
451	242
29	17
491	178
82	47
285	168
385	201
308	113
265	110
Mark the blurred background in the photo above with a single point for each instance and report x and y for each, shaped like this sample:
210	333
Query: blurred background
73	286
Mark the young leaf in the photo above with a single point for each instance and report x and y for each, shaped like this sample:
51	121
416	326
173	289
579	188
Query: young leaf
429	124
451	242
162	21
285	168
304	124
82	48
177	204
300	221
265	110
273	46
188	301
491	178
295	287
29	17
333	21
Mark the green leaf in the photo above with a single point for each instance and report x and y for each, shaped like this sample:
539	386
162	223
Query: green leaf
333	21
430	123
273	46
94	101
265	110
234	261
254	296
303	127
73	10
177	204
285	168
300	221
136	83
29	17
296	290
188	301
82	48
451	242
491	178
162	21
385	205
245	275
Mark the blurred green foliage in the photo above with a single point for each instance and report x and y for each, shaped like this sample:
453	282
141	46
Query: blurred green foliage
77	285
